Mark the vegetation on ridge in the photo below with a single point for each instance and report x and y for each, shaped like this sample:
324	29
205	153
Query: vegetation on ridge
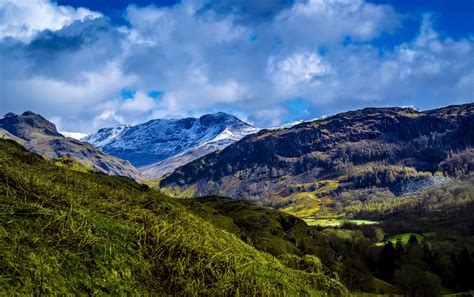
63	231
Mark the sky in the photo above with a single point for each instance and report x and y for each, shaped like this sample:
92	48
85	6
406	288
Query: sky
89	64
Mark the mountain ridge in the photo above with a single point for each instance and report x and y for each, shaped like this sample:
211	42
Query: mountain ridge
311	161
39	135
159	146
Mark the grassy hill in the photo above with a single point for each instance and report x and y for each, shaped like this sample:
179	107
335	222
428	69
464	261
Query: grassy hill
64	231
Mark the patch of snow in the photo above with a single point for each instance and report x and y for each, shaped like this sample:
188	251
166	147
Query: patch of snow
105	136
410	107
291	124
75	135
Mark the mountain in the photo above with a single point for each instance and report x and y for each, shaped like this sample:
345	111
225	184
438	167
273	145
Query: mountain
161	145
303	169
4	134
39	135
64	232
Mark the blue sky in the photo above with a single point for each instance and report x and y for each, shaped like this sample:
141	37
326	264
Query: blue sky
88	64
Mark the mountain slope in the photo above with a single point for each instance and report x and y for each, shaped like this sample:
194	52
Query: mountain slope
40	136
308	163
4	134
66	232
159	146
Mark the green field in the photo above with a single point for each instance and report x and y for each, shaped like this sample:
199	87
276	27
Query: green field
404	237
337	222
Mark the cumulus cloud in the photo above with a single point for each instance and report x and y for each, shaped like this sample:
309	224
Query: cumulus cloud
251	59
22	19
292	72
247	11
323	21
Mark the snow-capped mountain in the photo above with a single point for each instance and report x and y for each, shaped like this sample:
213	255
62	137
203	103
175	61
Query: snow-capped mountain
105	136
159	146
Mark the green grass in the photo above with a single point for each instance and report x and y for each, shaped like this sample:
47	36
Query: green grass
324	222
403	238
361	222
411	114
306	204
69	232
74	165
175	192
338	222
266	229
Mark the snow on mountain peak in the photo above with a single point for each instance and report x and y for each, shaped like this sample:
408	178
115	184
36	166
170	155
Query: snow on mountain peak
75	135
160	139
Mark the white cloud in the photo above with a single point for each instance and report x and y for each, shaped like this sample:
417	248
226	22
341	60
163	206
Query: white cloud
203	62
140	103
331	21
110	115
22	19
319	50
296	69
271	116
51	94
78	101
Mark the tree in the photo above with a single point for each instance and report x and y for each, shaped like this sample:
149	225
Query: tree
415	281
387	262
412	240
378	234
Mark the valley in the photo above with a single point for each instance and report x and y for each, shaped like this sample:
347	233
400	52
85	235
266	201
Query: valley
293	148
363	202
310	169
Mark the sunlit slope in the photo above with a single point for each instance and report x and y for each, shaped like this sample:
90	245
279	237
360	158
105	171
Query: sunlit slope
63	231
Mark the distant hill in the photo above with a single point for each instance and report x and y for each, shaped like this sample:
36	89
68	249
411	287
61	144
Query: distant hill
39	135
161	145
303	167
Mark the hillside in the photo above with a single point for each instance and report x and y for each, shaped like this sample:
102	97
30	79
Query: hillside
4	134
40	136
302	169
159	146
66	232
